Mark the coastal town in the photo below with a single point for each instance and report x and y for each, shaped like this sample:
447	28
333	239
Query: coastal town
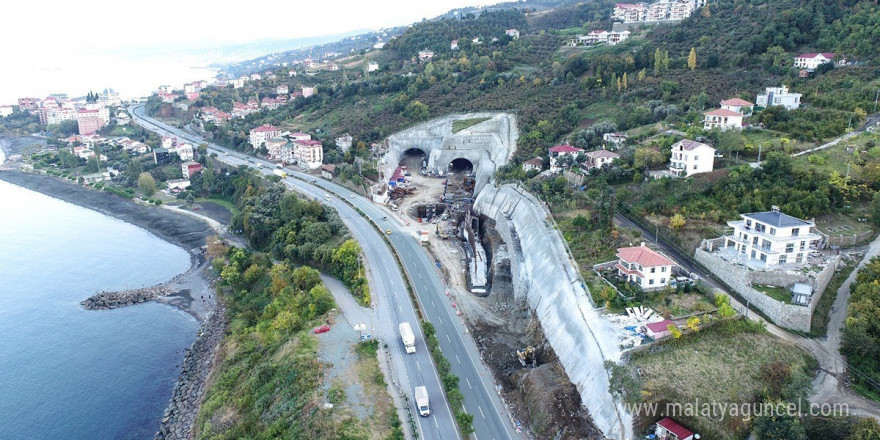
576	213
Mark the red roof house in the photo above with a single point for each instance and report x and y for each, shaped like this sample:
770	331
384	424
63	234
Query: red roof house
642	266
659	329
670	429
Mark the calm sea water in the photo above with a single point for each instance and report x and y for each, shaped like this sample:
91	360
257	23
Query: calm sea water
68	373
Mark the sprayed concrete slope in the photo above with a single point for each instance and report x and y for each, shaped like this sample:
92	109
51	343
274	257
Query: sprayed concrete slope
487	145
545	276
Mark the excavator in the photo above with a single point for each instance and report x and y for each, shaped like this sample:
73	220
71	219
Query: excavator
527	357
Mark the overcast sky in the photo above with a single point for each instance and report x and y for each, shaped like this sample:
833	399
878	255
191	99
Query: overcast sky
38	28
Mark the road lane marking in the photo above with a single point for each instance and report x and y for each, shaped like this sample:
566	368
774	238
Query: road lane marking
440	319
418	366
469	383
435	423
448	339
481	411
456	358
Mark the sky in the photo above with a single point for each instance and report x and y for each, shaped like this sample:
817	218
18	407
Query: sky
63	46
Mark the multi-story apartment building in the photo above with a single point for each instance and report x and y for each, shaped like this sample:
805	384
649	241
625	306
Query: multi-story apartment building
263	133
691	157
779	96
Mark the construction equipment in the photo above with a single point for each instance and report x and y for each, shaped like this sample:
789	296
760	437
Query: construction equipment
527	357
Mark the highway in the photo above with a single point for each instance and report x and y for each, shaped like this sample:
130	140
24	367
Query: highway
491	417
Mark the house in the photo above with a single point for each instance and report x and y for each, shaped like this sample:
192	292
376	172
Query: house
239	82
184	151
615	138
282	89
425	55
300	136
533	164
512	33
660	329
599	158
28	104
772	238
167	141
558	156
804	73
263	133
617	37
778	96
379	45
813	60
344	142
309	91
256	77
629	12
453	45
644	267
274	146
188	169
691	157
271	103
723	119
397	178
161	156
372	66
738	105
670	430
328	171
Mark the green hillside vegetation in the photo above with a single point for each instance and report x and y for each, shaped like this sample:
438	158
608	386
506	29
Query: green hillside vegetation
861	335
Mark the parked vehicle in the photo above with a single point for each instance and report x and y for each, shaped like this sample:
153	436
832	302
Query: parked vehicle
280	173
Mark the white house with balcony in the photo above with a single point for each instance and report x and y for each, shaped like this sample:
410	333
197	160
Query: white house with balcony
642	266
723	119
558	154
779	96
738	105
813	60
771	238
691	157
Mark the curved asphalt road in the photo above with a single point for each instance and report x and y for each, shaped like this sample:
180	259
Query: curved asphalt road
491	417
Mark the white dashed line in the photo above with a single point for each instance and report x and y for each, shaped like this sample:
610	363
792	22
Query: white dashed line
456	358
481	411
418	366
448	339
469	383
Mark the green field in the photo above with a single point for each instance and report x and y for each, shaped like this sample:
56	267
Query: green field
461	124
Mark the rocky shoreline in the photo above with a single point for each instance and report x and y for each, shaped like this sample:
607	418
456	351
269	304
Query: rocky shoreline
114	300
198	362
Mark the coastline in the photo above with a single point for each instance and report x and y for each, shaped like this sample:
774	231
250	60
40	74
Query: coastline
191	291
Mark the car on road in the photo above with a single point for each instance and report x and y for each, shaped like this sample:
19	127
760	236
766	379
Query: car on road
351	196
388	231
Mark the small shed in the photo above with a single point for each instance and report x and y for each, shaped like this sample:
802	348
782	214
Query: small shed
668	429
328	171
659	329
801	293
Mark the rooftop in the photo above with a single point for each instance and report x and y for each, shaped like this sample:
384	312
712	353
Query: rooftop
673	427
644	256
722	112
737	101
603	153
777	219
566	149
660	326
829	55
689	145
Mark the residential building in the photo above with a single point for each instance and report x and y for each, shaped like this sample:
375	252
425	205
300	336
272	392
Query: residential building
772	238
669	429
308	91
282	89
109	97
779	96
372	66
738	105
813	60
177	185
256	77
5	110
167	142
239	82
663	10
165	88
328	171
274	147
644	267
271	103
184	151
167	97
617	37
344	142
599	158
189	168
90	121
598	38
629	12
453	45
533	164
512	33
28	104
300	136
616	138
308	154
161	156
240	110
558	156
380	45
425	55
723	119
55	114
261	134
691	157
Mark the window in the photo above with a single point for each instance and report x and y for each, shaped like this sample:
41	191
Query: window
795	232
783	259
651	281
663	269
765	244
800	258
653	269
662	280
748	223
695	166
803	245
696	158
772	231
789	248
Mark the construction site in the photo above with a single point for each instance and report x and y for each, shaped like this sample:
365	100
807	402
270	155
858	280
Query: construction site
438	205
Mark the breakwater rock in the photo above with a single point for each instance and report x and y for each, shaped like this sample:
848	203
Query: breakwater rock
112	300
177	422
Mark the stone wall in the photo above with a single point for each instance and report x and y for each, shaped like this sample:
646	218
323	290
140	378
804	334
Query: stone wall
790	316
546	278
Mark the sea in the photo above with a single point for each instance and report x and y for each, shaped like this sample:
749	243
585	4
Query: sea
69	373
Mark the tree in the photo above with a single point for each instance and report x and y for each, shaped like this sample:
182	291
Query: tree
779	426
658	61
642	75
867	428
147	184
625	81
693	323
677	221
692	59
674	331
416	111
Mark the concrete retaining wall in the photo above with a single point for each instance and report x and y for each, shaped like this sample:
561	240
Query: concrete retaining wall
544	275
791	316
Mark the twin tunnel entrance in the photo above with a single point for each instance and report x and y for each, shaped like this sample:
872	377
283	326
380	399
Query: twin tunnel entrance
416	159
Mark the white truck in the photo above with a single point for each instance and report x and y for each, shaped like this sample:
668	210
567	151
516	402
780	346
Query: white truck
407	336
422	406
